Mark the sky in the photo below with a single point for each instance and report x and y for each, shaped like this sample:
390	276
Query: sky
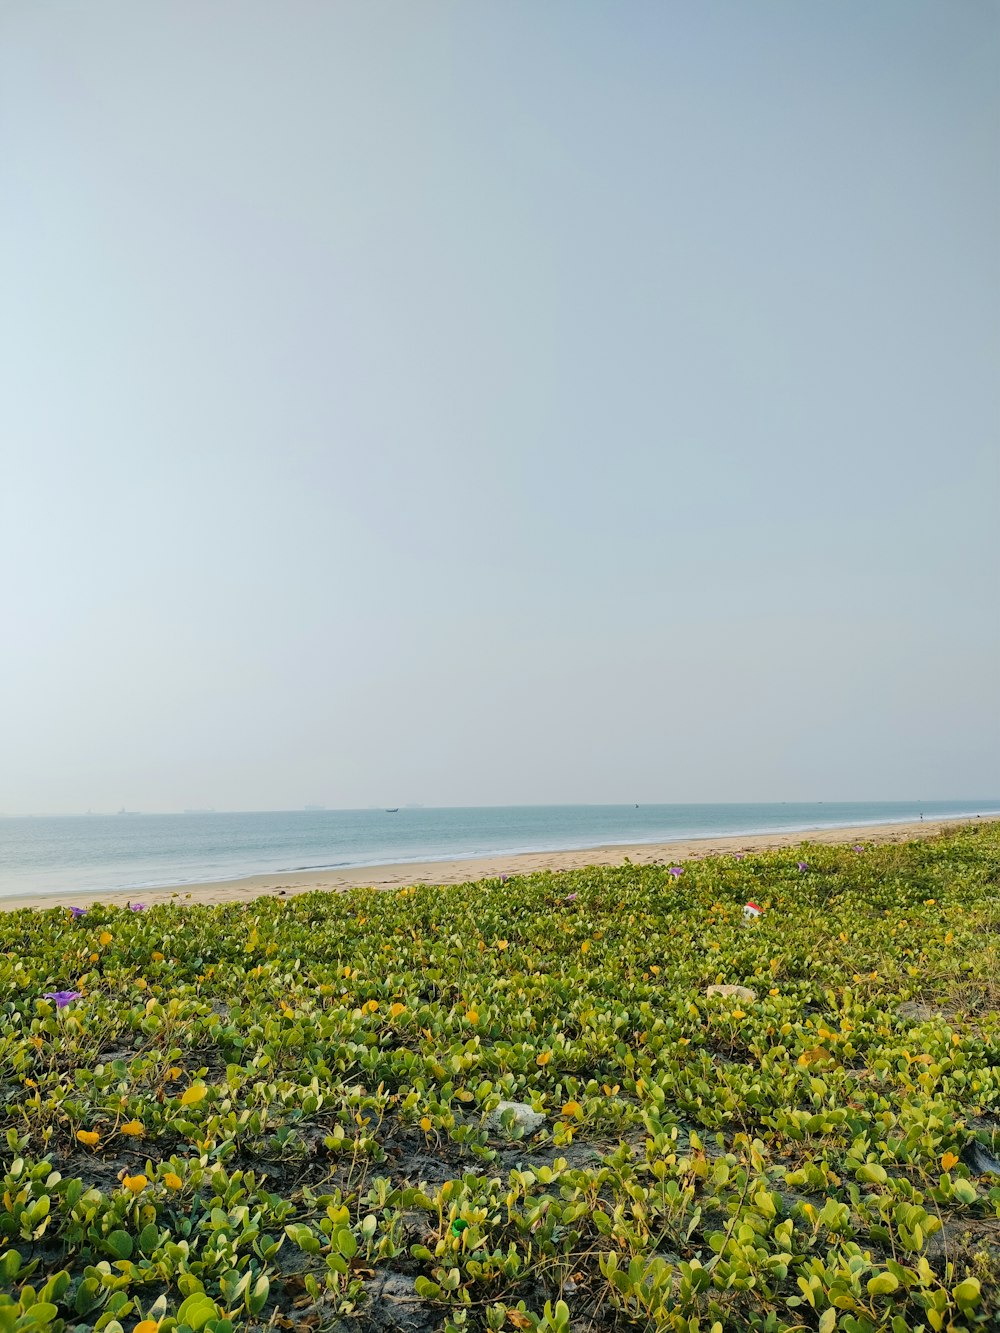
471	403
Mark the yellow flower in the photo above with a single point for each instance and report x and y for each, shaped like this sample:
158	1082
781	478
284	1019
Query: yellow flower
94	957
738	1013
425	1124
135	1184
173	1072
172	1182
544	1058
88	1137
585	946
369	1007
105	937
573	1109
133	1127
397	1010
194	1094
948	1160
147	1326
501	945
157	958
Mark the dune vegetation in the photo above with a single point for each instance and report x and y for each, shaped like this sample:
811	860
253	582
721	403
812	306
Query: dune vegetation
284	1114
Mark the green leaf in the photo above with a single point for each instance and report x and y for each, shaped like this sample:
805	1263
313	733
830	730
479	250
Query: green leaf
197	1310
120	1244
964	1190
299	1234
39	1316
967	1293
257	1296
10	1266
89	1294
882	1285
346	1243
149	1238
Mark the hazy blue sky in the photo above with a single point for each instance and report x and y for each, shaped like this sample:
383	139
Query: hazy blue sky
497	402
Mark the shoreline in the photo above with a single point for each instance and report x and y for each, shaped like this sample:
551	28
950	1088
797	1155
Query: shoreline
474	868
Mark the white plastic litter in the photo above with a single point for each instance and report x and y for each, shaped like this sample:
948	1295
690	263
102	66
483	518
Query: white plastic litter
524	1117
736	992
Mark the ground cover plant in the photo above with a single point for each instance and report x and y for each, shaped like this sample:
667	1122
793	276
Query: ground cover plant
284	1114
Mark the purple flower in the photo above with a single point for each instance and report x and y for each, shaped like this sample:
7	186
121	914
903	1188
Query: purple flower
858	847
137	907
676	870
571	897
504	879
738	856
62	997
77	912
803	865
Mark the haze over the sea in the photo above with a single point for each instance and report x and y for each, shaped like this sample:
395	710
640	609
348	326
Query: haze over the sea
479	403
60	854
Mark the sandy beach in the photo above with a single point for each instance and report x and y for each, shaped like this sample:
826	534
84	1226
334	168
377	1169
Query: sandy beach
485	867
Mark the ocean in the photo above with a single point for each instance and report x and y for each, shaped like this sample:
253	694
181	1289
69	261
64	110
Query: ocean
97	853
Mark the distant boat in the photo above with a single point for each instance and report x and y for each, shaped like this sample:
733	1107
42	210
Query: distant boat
393	811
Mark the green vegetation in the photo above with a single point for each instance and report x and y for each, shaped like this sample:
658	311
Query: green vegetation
277	1115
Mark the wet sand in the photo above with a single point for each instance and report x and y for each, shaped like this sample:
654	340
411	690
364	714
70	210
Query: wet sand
487	867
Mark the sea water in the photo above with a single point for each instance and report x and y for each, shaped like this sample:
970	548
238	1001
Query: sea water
69	853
